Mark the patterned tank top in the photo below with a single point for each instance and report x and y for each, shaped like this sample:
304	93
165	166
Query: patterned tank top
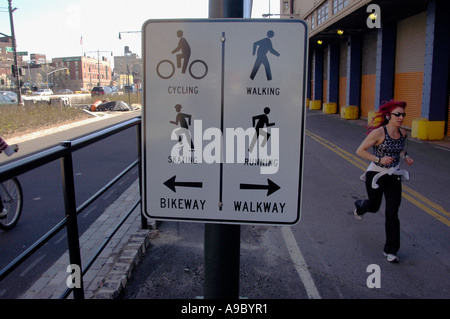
390	147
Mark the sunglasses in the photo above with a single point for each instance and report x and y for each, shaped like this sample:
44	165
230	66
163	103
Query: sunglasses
399	114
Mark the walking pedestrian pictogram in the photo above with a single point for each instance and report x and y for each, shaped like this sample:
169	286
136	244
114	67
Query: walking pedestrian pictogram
261	48
197	69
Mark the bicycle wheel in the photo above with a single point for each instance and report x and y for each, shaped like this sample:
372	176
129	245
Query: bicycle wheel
11	197
199	71
165	69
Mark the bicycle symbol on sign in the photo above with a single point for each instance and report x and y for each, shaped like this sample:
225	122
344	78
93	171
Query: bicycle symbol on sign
197	69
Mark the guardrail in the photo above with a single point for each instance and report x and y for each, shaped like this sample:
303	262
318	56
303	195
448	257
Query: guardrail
64	153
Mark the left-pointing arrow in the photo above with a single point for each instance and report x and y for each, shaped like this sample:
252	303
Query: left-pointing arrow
170	183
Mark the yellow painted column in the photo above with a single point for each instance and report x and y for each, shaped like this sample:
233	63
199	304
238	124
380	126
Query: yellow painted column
329	108
426	130
315	104
350	112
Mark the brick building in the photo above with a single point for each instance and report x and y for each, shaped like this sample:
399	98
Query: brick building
85	72
6	60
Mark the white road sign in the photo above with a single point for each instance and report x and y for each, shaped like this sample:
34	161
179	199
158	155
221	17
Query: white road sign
223	120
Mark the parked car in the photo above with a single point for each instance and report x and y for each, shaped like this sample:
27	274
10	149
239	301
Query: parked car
114	90
101	90
5	99
65	91
26	90
10	94
129	89
43	92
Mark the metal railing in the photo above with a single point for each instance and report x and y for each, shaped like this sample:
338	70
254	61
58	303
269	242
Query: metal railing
63	152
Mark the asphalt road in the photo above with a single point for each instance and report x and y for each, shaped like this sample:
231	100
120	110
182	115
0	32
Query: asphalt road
94	166
328	254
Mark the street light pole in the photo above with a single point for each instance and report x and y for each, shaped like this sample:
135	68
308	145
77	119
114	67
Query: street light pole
13	40
292	15
128	67
54	72
120	37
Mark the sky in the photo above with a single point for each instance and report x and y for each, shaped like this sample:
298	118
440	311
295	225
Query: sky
74	27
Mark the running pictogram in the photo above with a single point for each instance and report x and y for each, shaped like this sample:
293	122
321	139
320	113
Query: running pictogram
259	122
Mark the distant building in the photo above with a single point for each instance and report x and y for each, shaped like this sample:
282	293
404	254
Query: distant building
128	69
84	72
37	58
6	61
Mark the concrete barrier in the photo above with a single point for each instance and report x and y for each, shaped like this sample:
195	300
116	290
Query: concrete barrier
63	99
329	108
315	104
350	112
424	129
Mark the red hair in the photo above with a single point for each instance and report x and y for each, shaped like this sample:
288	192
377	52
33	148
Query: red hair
380	118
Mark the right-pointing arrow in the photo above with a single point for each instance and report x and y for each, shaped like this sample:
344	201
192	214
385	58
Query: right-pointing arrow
271	187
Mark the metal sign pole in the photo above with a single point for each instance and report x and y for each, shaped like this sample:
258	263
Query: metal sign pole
222	242
222	250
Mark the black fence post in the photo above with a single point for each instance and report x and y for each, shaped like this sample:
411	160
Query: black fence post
144	223
71	214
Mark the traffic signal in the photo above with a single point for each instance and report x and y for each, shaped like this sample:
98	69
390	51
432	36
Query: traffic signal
14	70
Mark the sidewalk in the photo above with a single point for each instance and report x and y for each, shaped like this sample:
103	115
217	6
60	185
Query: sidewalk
112	269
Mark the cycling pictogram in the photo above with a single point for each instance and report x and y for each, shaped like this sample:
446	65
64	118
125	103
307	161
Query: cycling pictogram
197	69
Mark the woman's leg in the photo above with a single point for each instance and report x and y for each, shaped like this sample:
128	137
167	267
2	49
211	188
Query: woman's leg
393	197
372	204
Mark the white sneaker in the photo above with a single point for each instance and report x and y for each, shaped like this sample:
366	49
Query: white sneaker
357	216
391	257
4	213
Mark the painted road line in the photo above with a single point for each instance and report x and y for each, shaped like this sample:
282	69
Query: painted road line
435	206
355	160
426	209
427	205
299	263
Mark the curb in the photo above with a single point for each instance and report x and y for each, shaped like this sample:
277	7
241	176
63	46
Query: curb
108	275
122	269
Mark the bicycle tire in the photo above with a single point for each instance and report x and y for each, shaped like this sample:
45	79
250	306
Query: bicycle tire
12	199
201	76
164	76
